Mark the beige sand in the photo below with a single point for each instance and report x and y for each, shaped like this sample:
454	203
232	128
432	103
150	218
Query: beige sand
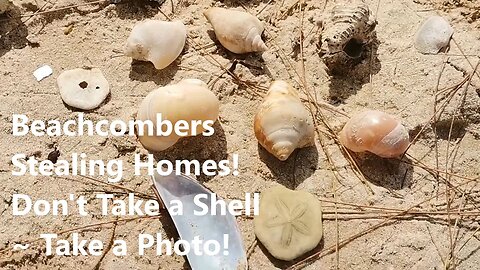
402	82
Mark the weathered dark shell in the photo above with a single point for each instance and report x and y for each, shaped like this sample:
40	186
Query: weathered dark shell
349	27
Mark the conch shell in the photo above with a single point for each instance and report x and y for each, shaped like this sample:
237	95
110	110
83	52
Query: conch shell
375	132
283	124
237	31
159	42
187	101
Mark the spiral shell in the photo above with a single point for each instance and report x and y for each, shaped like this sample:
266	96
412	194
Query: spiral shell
156	41
237	31
282	123
375	132
348	29
189	100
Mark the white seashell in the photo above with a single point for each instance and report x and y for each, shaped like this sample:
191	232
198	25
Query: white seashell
375	132
4	5
433	35
84	89
283	124
156	41
237	31
189	100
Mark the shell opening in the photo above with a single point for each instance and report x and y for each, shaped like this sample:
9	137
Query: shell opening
353	48
83	85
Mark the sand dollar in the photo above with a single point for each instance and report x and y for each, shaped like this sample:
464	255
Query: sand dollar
82	88
289	223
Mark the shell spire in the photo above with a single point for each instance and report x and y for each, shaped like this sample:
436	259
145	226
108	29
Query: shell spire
257	44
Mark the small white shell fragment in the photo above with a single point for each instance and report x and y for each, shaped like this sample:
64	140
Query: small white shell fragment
159	42
433	35
83	89
42	72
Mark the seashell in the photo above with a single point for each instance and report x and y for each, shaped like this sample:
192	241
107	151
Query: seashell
84	89
433	35
289	223
349	28
375	132
282	123
159	42
4	5
189	100
237	31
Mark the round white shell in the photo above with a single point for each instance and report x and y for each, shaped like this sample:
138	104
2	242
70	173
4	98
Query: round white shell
84	89
159	42
433	35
